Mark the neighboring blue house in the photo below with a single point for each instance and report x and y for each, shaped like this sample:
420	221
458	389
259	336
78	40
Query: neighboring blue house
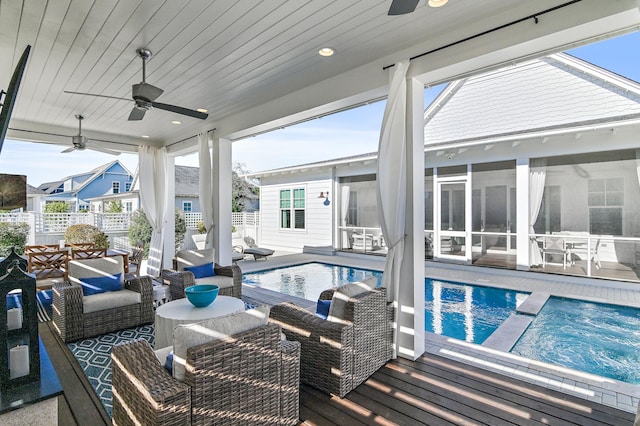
76	190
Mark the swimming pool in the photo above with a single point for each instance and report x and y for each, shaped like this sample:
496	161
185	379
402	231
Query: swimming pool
596	338
467	312
455	310
308	280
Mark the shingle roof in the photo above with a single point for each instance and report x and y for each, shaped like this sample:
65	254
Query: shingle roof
187	179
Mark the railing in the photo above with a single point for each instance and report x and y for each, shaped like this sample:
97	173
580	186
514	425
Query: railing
362	239
238	219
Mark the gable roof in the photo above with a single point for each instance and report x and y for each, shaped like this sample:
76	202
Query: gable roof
557	91
187	181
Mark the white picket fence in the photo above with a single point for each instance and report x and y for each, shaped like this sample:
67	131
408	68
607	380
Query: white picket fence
49	228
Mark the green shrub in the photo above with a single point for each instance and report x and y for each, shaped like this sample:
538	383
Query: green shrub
83	233
13	235
57	207
181	229
114	207
201	228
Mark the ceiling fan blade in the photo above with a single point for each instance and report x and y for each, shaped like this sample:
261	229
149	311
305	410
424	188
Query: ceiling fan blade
180	110
137	114
94	94
70	149
402	7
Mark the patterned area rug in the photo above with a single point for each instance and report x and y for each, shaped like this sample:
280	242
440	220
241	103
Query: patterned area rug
94	356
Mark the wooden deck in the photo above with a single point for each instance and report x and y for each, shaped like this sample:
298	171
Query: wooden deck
430	391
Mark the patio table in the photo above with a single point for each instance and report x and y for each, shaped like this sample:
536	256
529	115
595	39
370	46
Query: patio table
181	311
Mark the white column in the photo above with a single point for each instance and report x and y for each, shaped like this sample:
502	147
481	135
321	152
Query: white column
169	248
411	295
222	165
522	214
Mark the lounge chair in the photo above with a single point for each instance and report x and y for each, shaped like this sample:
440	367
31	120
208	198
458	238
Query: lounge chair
247	245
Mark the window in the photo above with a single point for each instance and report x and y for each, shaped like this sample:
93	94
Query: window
115	186
352	211
606	199
187	206
128	206
292	208
127	186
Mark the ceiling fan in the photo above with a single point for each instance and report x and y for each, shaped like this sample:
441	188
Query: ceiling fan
402	7
80	141
145	94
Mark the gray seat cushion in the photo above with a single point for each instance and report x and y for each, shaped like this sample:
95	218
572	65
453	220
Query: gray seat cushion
219	280
109	300
259	251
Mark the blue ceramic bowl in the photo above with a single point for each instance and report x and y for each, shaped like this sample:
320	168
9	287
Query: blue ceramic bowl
201	295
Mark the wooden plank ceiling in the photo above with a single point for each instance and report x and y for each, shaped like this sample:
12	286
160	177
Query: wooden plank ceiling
223	55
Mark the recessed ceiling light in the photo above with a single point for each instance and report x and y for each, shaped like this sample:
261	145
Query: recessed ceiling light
145	136
202	110
437	3
326	51
176	122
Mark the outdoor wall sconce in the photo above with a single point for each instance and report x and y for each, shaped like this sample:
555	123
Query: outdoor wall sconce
326	201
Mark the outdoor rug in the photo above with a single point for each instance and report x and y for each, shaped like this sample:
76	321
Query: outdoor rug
44	299
94	356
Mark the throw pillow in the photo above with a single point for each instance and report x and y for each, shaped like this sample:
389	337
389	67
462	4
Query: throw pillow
188	335
202	271
97	285
322	308
168	364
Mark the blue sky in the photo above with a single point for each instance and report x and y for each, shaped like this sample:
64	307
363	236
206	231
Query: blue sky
347	133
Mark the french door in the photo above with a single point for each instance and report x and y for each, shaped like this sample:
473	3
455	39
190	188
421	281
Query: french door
453	239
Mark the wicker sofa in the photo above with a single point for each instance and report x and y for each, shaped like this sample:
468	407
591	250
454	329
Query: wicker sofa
228	278
247	377
76	316
340	353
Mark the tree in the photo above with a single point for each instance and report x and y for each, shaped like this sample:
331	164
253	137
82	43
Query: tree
241	188
140	229
57	207
114	207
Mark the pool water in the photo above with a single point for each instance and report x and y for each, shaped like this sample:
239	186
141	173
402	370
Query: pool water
467	312
593	337
308	280
455	310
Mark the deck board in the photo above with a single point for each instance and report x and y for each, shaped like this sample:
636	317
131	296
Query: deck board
432	390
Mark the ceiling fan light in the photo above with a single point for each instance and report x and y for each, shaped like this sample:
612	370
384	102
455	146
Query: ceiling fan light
437	3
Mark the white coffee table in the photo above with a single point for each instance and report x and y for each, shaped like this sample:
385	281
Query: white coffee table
181	311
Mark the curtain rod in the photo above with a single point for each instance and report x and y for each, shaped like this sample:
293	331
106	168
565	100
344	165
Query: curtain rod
187	138
517	21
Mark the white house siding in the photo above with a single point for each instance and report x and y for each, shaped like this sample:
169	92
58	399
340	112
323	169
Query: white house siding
318	221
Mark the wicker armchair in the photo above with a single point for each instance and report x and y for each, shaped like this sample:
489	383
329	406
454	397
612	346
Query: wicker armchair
228	278
111	311
336	357
251	377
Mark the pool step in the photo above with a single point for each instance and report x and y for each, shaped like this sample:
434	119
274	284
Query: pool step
533	303
508	333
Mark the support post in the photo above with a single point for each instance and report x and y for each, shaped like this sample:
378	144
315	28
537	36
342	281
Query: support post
222	167
411	295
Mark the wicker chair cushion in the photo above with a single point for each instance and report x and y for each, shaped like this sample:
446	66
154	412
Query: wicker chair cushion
109	300
91	268
219	280
342	295
185	258
188	335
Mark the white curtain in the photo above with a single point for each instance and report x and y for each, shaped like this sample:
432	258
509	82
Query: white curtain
205	188
537	179
153	183
638	164
344	212
392	182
